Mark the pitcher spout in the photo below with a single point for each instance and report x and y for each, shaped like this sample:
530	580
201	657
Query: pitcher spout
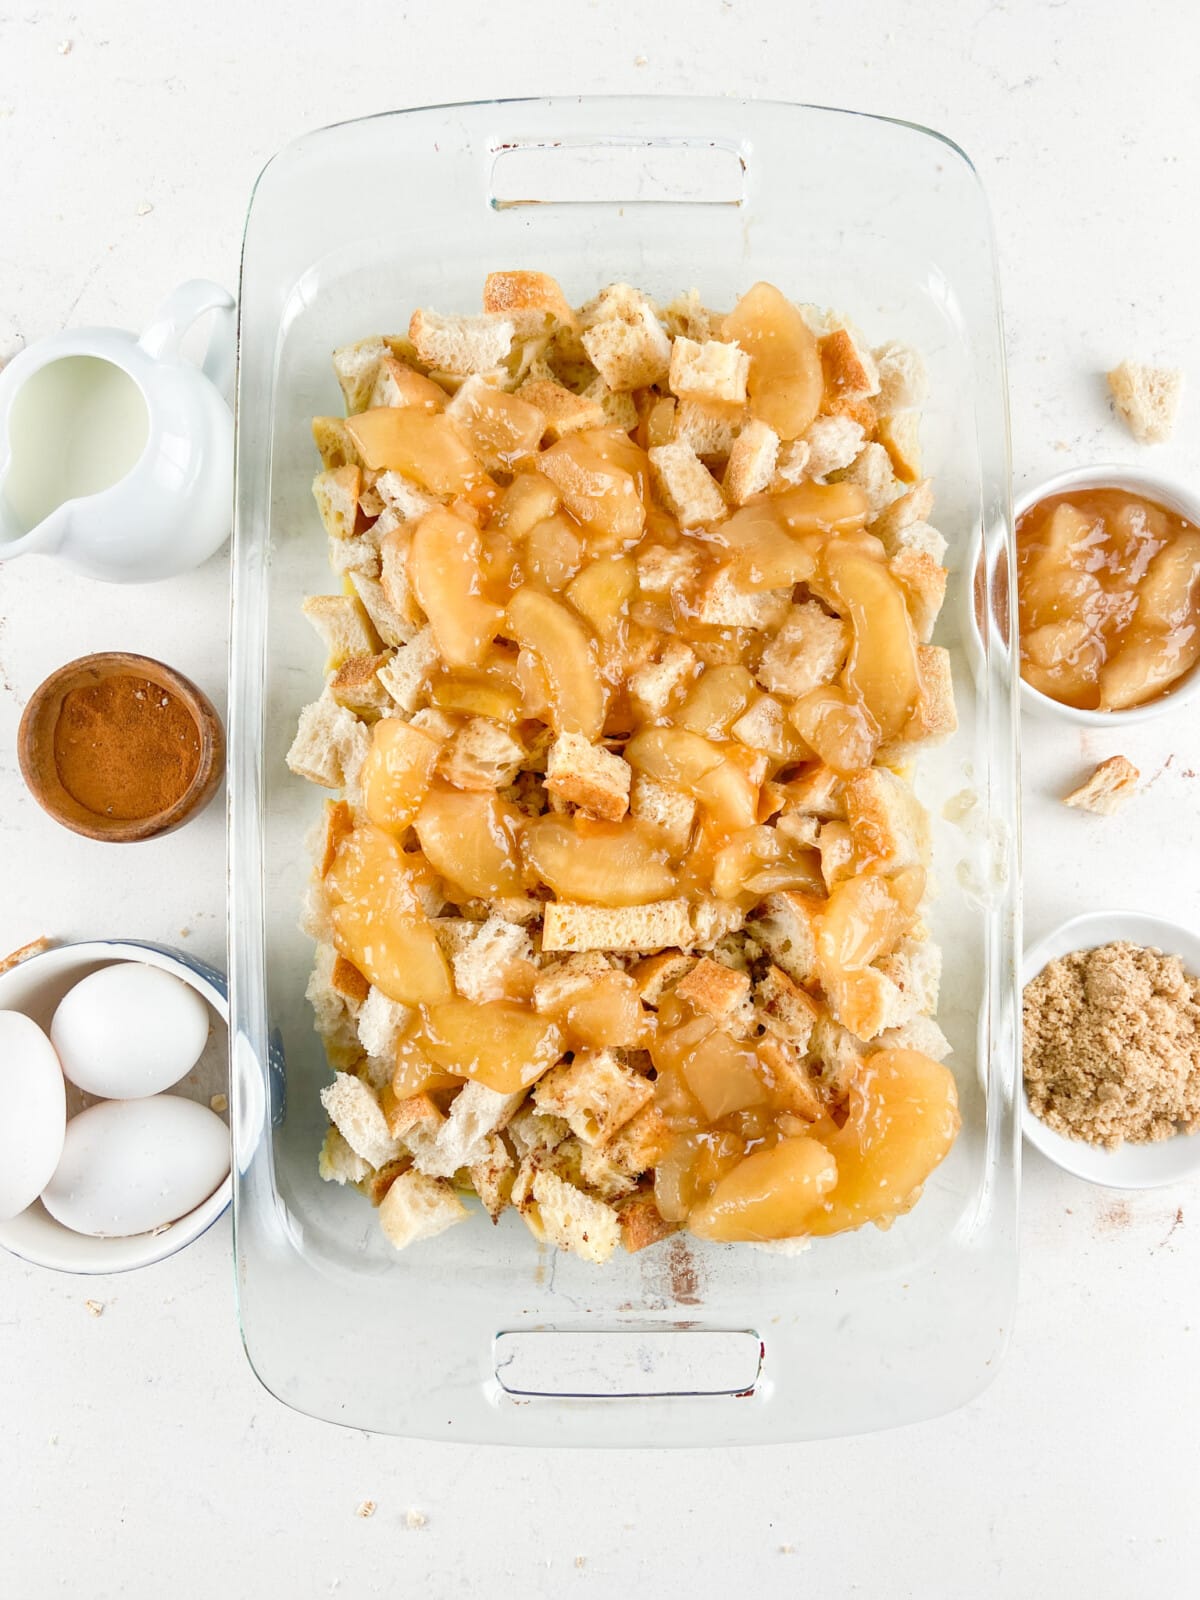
44	539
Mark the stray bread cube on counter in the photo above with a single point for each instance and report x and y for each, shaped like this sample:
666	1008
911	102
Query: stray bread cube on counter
1146	399
1113	783
632	640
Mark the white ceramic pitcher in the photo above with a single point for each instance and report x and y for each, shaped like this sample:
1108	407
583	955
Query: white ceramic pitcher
116	453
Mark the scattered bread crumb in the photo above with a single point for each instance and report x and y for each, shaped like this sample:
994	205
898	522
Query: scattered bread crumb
366	1509
33	948
145	209
1147	399
1113	783
1112	1045
581	1561
415	1519
65	46
95	1307
219	1102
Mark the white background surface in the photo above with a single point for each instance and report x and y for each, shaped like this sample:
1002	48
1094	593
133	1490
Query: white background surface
137	1453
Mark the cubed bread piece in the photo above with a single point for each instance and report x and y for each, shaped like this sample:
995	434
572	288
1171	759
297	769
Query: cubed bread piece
1106	791
594	1094
871	470
640	1143
918	538
618	409
336	492
395	625
492	1175
713	989
888	824
664	807
335	443
935	718
475	1112
654	926
919	1033
785	1008
817	792
798	830
397	384
380	1024
356	685
358	554
662	569
337	820
688	317
557	983
402	497
558	1213
343	626
338	1163
330	746
836	846
809	649
900	436
714	920
653	687
833	443
710	371
785	927
762	727
461	345
589	776
751	464
848	366
724	603
787	1077
455	934
531	300
924	585
483	970
419	1207
708	430
595	1171
685	486
406	676
870	1004
376	1184
626	343
902	378
915	967
481	755
642	1223
355	1112
654	975
838	1056
355	366
533	1134
564	410
791	464
314	920
328	1004
346	980
1147	399
403	1113
914	505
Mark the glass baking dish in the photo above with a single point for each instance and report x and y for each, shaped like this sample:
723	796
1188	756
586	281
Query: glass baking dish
482	1334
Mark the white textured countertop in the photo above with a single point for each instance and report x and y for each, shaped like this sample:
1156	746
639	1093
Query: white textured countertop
139	1455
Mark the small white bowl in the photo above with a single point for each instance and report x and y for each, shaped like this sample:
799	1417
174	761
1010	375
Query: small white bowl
1152	486
1132	1166
35	987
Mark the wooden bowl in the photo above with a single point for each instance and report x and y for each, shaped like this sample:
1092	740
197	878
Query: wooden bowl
35	748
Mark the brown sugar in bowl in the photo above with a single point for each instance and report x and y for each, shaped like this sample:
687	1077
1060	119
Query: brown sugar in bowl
176	792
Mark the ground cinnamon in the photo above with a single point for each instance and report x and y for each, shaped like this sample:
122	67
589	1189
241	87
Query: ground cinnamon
125	747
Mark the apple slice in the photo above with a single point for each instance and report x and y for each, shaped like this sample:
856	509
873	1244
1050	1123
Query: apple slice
596	487
605	864
506	1047
378	922
397	772
421	445
501	429
785	381
444	571
529	499
766	555
882	669
822	508
772	1194
567	656
471	840
835	723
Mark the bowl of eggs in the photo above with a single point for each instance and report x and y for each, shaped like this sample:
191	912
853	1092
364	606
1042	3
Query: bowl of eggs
113	1063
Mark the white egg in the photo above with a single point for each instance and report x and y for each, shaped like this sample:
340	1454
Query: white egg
130	1165
33	1112
129	1030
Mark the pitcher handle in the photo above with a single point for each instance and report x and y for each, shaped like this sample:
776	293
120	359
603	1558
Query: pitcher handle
175	316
